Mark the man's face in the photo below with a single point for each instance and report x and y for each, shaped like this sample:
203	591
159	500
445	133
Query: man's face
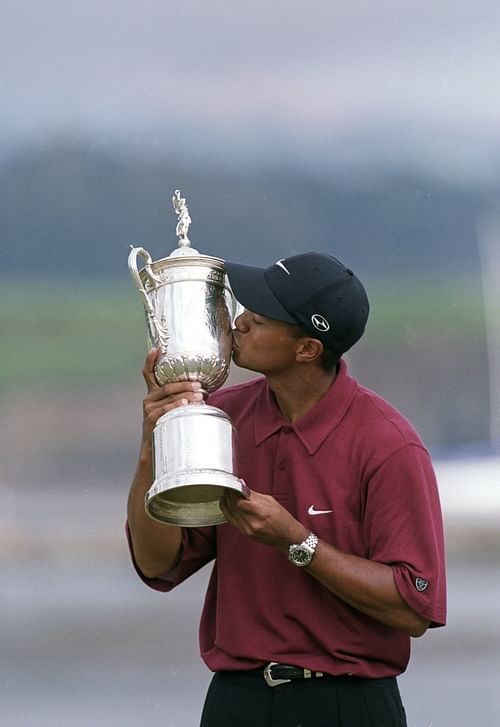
262	344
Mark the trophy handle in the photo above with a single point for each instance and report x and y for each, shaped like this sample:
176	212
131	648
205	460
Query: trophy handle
159	331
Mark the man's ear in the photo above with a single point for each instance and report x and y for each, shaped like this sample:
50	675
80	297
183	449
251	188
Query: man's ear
309	349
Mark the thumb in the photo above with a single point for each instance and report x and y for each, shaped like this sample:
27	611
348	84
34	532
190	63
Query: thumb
148	371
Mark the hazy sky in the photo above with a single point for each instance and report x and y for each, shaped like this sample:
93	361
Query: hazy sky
387	73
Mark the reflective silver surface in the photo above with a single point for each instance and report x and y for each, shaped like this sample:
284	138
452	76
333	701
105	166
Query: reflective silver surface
195	453
188	308
189	312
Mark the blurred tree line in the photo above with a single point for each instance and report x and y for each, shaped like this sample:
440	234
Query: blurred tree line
72	320
71	208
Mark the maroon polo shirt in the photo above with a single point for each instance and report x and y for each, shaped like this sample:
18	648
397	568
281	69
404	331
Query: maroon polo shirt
355	472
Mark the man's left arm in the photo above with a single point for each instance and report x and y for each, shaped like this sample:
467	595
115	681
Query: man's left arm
364	584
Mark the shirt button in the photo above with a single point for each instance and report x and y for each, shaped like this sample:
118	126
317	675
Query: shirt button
282	465
287	430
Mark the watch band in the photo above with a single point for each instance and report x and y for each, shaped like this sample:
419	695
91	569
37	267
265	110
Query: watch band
301	554
311	541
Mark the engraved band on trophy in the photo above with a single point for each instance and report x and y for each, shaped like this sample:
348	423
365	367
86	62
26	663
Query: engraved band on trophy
189	311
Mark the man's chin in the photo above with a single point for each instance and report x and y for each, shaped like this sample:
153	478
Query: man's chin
237	361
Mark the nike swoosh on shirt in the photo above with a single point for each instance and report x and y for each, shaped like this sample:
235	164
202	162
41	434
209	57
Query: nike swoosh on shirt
312	511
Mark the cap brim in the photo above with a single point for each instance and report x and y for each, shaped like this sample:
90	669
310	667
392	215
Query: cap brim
251	289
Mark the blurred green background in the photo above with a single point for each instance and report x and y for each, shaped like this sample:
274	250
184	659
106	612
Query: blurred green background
71	332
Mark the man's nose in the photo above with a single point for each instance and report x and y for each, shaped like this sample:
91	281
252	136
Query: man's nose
241	322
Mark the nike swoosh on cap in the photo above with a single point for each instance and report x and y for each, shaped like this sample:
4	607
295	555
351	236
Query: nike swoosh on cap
312	511
280	264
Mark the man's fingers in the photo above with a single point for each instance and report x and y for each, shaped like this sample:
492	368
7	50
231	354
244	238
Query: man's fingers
190	390
232	515
158	402
230	504
148	371
164	398
161	399
154	413
232	498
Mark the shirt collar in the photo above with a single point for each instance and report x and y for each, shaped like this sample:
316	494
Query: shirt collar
313	428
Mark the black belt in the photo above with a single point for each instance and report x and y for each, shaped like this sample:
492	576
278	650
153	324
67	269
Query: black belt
276	674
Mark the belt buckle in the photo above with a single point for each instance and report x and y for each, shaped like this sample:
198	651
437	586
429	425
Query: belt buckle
269	679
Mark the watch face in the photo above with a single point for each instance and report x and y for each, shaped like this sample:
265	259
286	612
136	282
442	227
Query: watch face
300	556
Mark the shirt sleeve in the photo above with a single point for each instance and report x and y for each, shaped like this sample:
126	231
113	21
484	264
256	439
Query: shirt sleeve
198	549
404	529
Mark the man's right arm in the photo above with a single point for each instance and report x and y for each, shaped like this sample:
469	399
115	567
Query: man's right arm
156	546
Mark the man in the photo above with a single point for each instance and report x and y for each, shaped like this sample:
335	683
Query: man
336	558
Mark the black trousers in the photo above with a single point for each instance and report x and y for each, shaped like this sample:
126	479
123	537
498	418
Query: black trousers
239	699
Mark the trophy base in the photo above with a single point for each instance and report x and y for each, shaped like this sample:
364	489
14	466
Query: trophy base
194	453
191	499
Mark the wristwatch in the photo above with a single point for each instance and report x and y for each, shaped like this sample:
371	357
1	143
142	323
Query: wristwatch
302	553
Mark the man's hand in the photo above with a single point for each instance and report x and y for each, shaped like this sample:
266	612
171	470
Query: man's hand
161	399
263	519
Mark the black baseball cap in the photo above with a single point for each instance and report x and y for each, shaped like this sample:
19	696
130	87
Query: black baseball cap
312	289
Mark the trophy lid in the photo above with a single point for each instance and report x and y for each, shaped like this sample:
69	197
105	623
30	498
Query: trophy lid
183	263
185	255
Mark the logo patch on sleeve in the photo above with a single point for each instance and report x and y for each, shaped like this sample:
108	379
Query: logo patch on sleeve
421	584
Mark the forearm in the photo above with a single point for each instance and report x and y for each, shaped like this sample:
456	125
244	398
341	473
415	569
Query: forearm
364	584
157	546
367	586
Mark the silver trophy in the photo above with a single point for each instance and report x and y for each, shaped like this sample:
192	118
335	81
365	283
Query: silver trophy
189	313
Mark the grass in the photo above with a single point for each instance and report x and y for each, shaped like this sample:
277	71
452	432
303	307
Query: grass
58	333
